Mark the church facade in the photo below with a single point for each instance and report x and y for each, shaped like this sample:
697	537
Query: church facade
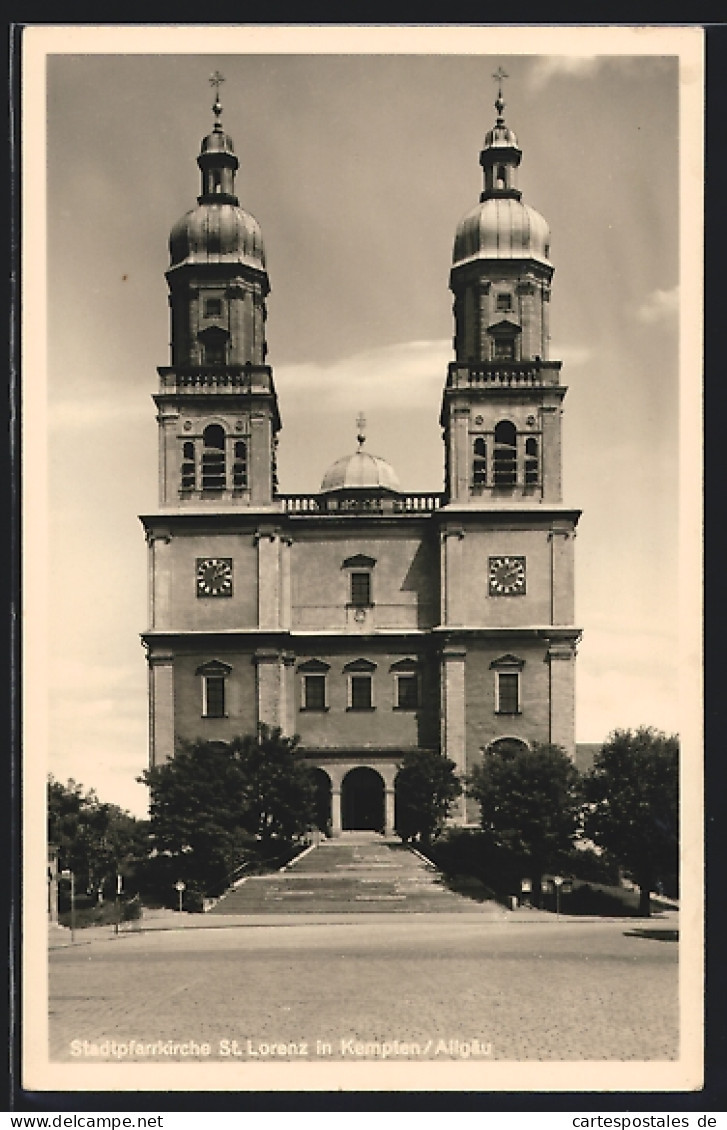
367	620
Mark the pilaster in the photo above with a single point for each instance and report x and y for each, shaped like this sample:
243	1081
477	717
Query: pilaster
453	715
561	665
161	708
268	578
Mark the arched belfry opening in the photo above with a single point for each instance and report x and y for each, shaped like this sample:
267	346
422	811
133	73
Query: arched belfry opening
362	800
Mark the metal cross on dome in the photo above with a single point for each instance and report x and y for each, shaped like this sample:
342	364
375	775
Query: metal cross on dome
361	425
499	75
216	80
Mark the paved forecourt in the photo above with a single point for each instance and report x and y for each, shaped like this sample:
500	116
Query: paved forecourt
427	986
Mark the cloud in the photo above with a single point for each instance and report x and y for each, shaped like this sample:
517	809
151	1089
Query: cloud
571	66
660	306
391	376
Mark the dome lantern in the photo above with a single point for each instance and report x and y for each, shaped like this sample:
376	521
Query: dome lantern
501	155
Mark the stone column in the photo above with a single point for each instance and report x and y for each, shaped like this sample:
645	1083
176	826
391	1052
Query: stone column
453	716
390	812
336	823
161	708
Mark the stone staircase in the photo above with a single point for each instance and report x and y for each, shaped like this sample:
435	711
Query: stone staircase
360	872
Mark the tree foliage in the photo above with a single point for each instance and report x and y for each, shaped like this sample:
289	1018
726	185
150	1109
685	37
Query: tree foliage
94	839
530	804
426	789
215	804
633	790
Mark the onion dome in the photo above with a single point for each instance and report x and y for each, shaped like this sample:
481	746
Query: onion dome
218	230
502	229
217	233
501	226
360	471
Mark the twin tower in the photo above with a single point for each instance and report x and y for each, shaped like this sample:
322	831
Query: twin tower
367	620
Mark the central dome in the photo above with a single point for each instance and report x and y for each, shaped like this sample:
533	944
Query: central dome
502	228
360	471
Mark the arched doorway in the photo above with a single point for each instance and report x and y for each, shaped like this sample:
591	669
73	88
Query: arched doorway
322	784
362	800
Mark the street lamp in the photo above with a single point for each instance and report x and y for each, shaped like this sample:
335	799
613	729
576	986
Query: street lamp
71	876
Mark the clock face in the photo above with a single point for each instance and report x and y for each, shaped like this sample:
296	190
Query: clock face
214	576
507	576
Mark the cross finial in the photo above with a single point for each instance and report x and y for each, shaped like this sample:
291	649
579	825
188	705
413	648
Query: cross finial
361	425
216	80
498	76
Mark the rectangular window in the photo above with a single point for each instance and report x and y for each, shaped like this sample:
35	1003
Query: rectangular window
213	702
213	307
508	692
504	302
361	589
504	349
215	353
407	692
314	692
361	692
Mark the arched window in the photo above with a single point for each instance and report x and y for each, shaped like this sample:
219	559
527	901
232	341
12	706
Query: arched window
479	463
239	467
188	474
213	458
531	461
505	461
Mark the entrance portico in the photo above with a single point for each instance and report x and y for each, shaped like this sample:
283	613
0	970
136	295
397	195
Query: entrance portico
362	795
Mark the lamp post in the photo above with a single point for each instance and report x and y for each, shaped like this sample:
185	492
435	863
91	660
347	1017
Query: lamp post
179	886
558	883
71	876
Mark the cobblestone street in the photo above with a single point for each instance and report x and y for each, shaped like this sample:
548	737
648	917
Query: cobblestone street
538	990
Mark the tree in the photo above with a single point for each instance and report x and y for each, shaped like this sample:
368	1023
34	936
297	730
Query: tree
530	804
215	804
426	789
633	790
94	839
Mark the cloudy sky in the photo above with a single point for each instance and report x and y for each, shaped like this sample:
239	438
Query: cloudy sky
358	166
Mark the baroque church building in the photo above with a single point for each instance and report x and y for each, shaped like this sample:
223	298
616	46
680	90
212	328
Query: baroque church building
368	620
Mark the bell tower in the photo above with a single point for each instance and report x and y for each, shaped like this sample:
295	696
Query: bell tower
217	405
506	538
501	407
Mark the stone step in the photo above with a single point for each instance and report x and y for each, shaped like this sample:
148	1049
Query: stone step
358	875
